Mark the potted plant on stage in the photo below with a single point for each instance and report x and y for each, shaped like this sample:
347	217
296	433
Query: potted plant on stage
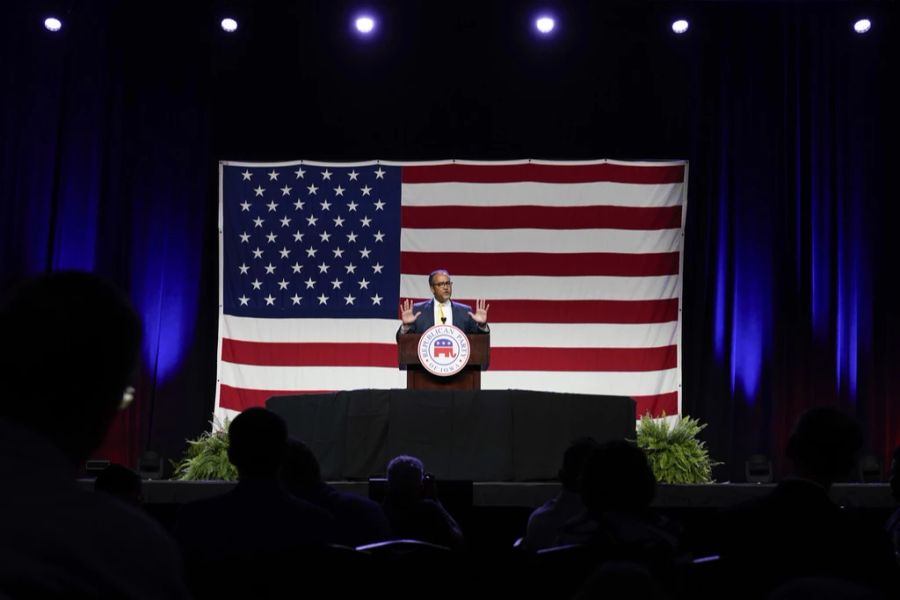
673	450
206	458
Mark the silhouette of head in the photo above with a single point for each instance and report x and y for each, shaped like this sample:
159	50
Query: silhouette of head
823	444
121	482
404	474
256	441
300	470
617	477
71	343
573	462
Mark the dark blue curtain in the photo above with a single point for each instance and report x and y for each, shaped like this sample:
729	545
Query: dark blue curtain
110	133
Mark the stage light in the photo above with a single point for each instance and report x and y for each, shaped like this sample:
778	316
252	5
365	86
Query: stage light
869	469
758	469
862	26
545	24
680	26
229	25
52	24
365	24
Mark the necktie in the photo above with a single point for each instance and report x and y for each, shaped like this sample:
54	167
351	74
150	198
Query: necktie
441	312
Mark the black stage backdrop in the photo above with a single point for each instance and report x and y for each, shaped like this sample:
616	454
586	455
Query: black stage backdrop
110	133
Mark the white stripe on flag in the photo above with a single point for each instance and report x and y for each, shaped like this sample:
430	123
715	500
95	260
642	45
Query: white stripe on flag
503	335
311	378
540	240
551	288
249	329
353	378
542	194
579	382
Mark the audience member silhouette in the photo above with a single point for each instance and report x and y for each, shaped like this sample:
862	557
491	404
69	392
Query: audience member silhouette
71	343
120	482
412	509
258	518
617	489
358	520
546	522
797	530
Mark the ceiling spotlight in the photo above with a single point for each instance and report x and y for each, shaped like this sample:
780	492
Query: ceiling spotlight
365	24
680	26
229	25
862	26
545	24
52	24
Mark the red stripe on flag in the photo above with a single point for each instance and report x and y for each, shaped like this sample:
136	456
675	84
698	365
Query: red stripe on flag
309	355
581	311
241	399
542	264
541	217
502	359
657	406
584	359
544	173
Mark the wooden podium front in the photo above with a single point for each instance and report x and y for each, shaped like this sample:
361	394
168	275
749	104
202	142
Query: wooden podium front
417	378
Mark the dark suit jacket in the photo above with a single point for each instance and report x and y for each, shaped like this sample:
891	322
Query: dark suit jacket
255	518
461	317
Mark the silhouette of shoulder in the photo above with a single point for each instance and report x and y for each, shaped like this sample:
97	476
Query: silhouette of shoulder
59	540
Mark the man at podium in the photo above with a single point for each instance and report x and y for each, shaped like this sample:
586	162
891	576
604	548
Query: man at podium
418	317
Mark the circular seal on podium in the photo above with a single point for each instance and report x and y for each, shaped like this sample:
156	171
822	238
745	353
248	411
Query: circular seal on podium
444	350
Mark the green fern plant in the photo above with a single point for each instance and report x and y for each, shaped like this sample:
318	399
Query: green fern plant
674	452
206	457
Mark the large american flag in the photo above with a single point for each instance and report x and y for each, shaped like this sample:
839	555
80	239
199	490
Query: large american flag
580	262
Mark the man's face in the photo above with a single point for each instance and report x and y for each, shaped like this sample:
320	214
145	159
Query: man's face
441	287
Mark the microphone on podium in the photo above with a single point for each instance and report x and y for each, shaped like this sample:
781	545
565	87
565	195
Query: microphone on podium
444	320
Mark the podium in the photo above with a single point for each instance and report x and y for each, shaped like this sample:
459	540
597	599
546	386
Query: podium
417	378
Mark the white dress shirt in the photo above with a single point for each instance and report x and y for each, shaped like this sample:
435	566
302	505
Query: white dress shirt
448	313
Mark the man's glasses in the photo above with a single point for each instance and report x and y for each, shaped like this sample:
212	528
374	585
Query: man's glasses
443	284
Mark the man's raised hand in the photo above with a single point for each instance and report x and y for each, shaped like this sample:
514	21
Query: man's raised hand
406	313
480	315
